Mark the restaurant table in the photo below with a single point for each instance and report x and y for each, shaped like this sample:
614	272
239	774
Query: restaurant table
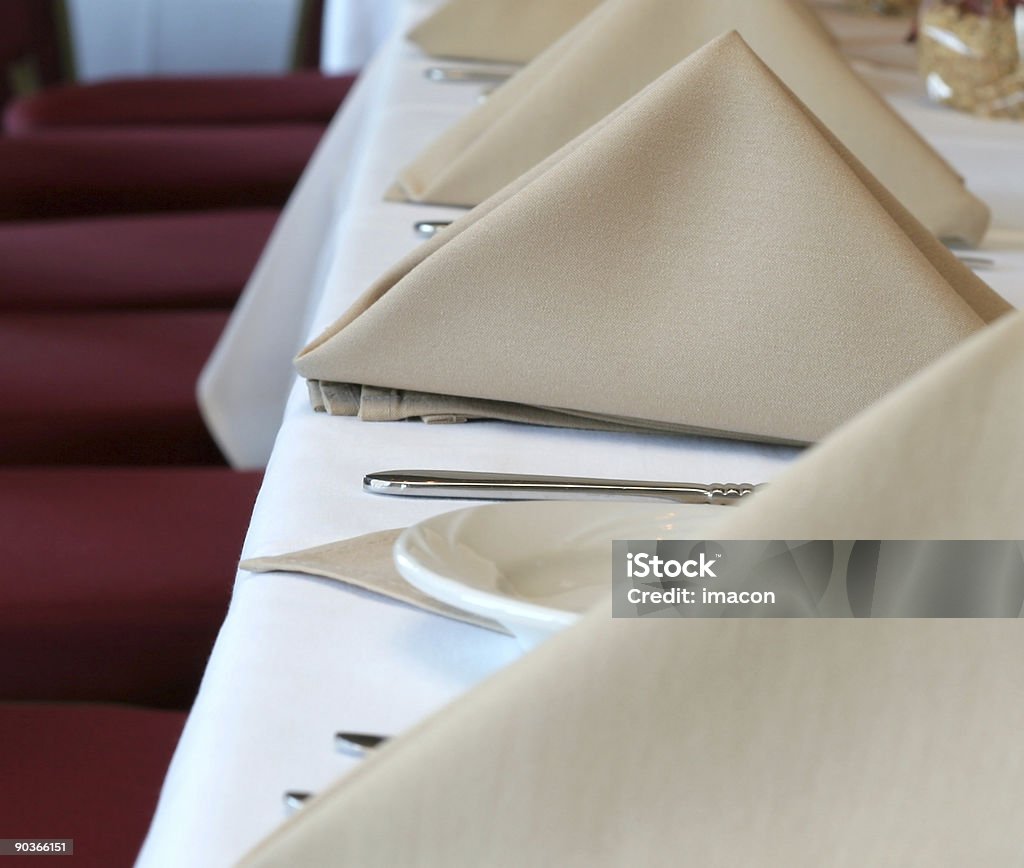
299	658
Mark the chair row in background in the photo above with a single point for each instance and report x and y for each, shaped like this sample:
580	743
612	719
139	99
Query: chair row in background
131	214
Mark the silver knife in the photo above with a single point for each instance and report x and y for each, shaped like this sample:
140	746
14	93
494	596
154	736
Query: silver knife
465	485
465	75
294	800
978	263
430	228
357	745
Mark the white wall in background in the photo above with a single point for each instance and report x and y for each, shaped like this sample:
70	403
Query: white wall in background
167	37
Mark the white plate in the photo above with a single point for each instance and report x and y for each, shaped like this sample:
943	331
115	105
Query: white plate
534	567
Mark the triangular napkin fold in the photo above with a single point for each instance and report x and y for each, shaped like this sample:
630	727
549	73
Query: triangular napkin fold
744	742
503	31
365	562
708	259
939	458
626	44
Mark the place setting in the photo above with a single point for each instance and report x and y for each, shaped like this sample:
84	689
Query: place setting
668	283
564	312
459	433
986	369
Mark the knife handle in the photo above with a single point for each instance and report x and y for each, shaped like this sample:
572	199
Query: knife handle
430	228
466	485
466	75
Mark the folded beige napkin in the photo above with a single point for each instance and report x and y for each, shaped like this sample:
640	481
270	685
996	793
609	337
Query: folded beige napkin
626	44
744	742
365	562
746	277
505	31
942	457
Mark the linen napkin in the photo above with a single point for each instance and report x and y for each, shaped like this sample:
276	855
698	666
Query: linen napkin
503	31
365	562
744	742
626	44
708	259
939	458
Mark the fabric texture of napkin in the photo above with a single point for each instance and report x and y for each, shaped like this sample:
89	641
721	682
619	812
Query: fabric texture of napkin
942	457
744	742
626	44
502	31
708	259
365	562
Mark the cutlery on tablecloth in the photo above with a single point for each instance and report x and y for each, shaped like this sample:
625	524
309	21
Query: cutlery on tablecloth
357	745
465	485
463	75
978	263
295	799
969	257
430	228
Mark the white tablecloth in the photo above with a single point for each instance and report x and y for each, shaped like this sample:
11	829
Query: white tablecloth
299	658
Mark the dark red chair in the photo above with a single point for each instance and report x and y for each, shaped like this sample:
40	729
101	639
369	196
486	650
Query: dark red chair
300	98
88	772
105	388
157	261
116	580
102	172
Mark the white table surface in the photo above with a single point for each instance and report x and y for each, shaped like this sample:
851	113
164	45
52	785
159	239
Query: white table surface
299	658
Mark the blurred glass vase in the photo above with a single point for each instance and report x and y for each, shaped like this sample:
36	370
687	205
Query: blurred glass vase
969	53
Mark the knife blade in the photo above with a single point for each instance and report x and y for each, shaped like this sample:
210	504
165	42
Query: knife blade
461	75
430	228
467	485
357	745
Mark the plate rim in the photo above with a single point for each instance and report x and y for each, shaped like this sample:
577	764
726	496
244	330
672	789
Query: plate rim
503	608
491	604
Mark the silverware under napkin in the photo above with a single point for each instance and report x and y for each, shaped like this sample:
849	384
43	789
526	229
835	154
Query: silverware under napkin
430	228
357	745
